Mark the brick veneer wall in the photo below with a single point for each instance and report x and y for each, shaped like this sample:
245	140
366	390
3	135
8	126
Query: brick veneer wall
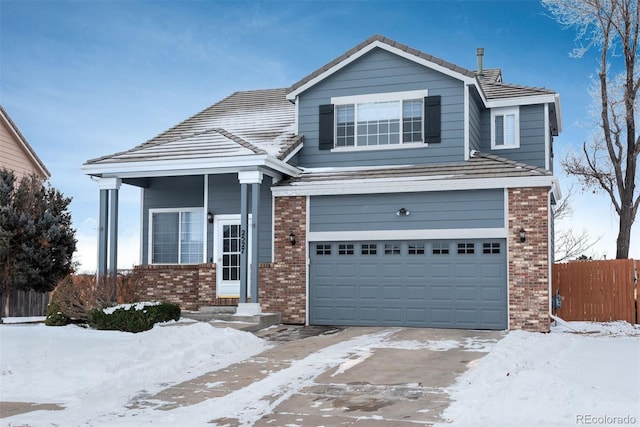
189	285
529	261
283	283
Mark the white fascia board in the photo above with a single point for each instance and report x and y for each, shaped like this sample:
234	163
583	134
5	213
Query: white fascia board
467	111
547	139
378	44
422	234
522	100
410	185
293	153
558	112
187	167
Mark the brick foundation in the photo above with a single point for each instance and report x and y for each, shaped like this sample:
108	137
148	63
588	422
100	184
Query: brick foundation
529	261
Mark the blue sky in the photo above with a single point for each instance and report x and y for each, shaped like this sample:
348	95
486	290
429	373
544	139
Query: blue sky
82	79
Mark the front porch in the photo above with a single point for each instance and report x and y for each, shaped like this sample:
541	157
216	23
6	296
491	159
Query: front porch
282	283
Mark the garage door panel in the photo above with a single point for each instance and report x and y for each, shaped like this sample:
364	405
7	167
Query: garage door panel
369	314
466	270
369	291
445	283
416	293
441	294
392	271
416	270
441	270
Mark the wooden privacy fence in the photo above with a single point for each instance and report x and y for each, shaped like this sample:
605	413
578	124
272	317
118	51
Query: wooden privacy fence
24	304
597	291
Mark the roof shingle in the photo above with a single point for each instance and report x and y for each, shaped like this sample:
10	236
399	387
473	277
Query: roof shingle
244	123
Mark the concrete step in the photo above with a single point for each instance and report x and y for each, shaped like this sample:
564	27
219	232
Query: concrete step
243	323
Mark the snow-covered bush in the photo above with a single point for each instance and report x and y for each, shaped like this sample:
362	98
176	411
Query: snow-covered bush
133	317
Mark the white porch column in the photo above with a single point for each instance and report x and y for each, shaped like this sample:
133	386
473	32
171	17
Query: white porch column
108	227
250	241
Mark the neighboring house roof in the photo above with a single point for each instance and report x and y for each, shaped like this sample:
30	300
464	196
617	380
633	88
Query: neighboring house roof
481	168
15	143
244	123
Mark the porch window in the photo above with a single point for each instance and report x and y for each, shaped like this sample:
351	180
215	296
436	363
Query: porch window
177	236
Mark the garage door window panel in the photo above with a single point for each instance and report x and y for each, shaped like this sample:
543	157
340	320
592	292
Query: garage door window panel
391	249
323	249
346	249
440	248
491	248
466	248
416	249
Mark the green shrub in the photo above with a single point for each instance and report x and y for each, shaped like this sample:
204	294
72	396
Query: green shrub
164	312
133	320
55	317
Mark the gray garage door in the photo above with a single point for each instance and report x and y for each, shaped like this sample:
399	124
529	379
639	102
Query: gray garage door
442	284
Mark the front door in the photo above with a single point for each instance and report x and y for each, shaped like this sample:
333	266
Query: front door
228	239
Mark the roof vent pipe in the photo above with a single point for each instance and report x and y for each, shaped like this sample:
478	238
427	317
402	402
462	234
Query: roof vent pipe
480	55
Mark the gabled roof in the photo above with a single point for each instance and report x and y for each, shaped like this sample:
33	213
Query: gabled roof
38	164
243	124
480	171
489	84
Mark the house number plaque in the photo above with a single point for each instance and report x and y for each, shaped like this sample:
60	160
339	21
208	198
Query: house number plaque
243	241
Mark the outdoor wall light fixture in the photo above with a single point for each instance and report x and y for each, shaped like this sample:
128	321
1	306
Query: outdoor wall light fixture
209	217
292	238
523	235
403	212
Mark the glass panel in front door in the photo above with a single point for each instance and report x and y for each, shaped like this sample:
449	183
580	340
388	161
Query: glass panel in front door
231	252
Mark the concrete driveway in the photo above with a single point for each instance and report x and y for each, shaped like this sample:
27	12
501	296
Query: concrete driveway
333	377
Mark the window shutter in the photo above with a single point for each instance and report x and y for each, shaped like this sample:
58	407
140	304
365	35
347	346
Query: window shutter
325	128
432	119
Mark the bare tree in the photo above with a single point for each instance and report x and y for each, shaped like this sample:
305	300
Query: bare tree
609	160
568	242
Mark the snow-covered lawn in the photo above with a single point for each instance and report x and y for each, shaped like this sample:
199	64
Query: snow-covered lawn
586	376
561	378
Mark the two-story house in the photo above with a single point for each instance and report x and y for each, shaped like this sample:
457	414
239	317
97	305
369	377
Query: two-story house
388	187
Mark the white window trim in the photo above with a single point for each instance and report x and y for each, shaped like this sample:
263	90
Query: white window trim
502	112
377	97
150	237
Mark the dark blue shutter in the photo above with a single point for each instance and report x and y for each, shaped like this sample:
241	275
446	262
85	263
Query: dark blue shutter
325	128
432	119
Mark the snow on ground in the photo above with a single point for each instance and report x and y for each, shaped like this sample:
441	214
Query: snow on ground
91	372
580	374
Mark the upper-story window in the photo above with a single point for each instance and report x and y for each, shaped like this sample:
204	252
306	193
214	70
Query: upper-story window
379	123
505	128
380	120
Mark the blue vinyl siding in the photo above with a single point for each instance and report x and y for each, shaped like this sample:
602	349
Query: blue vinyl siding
169	192
532	132
475	124
224	198
381	72
435	210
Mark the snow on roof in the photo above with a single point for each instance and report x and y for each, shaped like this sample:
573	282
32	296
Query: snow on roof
244	123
